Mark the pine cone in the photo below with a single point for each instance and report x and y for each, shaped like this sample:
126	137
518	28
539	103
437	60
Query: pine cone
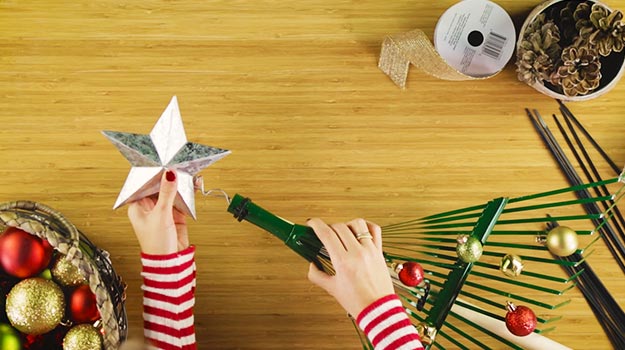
582	19
535	25
533	67
609	34
538	51
566	22
580	72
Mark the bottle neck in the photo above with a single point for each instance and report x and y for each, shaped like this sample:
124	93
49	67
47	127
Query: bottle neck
302	239
244	209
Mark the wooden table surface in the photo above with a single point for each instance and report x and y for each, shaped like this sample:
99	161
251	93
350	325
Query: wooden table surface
315	129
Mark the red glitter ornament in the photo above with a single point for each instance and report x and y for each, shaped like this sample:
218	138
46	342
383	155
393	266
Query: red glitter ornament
520	320
82	305
410	273
23	255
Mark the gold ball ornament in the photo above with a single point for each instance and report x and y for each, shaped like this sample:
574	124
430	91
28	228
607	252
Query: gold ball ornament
66	273
562	241
35	306
511	265
469	248
83	337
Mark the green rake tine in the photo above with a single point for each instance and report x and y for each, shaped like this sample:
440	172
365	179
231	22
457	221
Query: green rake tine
427	239
408	240
413	230
526	273
533	258
522	298
482	311
559	204
523	246
438	346
520	284
593	242
536	232
517	245
460	224
550	219
472	296
453	218
447	213
567	280
427	262
549	320
609	212
564	190
451	339
543	331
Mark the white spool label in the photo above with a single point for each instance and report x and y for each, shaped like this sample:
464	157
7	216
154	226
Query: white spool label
476	37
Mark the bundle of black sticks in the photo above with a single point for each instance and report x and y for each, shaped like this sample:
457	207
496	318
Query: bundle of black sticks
611	230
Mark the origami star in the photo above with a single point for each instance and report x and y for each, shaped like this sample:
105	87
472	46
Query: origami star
166	147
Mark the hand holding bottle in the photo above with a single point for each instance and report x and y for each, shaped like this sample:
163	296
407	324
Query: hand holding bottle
355	249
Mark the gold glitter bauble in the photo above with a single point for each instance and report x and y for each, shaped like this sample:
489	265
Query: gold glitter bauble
66	273
83	337
35	306
511	265
562	241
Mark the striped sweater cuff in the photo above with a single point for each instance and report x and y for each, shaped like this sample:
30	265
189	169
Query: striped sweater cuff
168	299
387	325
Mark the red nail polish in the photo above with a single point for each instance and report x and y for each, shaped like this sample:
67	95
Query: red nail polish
170	176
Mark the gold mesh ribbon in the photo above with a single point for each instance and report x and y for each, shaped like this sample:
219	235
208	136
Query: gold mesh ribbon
400	50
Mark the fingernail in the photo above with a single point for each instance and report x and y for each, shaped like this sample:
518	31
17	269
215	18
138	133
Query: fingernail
170	176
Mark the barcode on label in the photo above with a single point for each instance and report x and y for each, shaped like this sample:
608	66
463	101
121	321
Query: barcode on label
493	45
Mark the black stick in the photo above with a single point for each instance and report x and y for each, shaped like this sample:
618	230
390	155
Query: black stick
573	179
565	110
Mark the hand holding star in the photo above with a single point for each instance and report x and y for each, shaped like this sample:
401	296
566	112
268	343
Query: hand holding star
166	147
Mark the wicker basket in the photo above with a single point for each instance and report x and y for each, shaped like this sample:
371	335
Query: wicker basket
93	262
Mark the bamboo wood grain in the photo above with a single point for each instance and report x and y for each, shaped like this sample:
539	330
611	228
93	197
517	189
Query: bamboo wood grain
292	88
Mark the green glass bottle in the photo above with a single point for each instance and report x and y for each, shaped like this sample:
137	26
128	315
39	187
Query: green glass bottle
301	239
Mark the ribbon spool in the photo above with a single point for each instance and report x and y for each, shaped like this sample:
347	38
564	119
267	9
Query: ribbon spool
473	40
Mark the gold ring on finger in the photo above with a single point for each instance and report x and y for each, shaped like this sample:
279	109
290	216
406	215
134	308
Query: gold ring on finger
360	236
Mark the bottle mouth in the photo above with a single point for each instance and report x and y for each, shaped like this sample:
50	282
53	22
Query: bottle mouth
238	207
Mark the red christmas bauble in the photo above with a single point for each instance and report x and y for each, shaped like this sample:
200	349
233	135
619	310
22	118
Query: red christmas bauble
411	274
23	255
82	305
520	320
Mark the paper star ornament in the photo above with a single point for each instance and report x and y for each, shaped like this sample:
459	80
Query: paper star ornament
166	147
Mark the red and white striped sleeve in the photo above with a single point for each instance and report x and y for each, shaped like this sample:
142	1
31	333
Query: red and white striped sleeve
387	325
168	300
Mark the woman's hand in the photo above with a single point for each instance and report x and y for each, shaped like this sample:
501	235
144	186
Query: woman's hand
362	276
160	228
